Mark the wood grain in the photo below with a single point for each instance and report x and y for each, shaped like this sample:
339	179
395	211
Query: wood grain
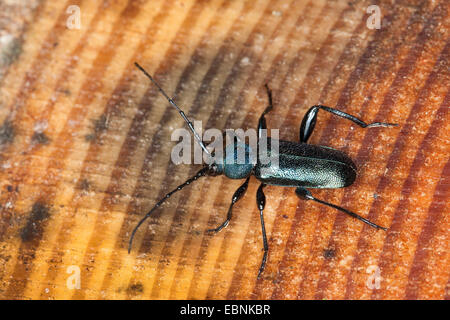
85	148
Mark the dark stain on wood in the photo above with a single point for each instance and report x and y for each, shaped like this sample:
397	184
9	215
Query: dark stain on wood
84	184
329	253
40	138
100	125
7	132
11	52
34	226
135	288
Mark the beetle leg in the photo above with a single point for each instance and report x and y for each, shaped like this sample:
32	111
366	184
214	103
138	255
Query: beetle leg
306	195
262	125
261	202
238	194
262	119
309	121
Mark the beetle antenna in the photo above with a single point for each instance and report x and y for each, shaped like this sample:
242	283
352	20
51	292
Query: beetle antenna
183	115
199	174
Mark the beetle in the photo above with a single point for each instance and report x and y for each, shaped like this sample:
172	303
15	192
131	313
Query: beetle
300	165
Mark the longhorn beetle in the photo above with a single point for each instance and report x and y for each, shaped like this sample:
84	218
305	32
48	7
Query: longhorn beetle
300	165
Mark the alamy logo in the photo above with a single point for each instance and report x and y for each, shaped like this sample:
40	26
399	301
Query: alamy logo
374	20
230	147
74	20
74	280
373	282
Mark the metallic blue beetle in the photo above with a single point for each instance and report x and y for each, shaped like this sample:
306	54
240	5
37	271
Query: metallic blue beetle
300	165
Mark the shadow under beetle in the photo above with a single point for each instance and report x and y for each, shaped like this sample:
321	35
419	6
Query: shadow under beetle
300	165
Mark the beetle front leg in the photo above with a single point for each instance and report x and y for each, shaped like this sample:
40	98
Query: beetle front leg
238	194
306	195
309	121
261	202
262	119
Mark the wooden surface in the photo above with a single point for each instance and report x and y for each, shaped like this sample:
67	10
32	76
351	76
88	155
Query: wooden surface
85	148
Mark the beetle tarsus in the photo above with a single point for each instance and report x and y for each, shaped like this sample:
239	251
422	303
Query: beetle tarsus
223	225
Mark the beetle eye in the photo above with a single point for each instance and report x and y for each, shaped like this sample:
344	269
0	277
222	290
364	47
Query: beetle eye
212	169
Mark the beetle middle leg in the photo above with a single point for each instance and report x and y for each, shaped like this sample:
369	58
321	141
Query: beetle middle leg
238	194
306	195
309	121
261	202
260	197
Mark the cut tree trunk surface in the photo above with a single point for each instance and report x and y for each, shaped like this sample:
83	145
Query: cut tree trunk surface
85	148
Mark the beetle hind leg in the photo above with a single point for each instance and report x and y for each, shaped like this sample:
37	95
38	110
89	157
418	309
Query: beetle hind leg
306	195
309	121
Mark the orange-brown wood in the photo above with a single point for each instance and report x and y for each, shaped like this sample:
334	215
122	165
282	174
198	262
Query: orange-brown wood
85	148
